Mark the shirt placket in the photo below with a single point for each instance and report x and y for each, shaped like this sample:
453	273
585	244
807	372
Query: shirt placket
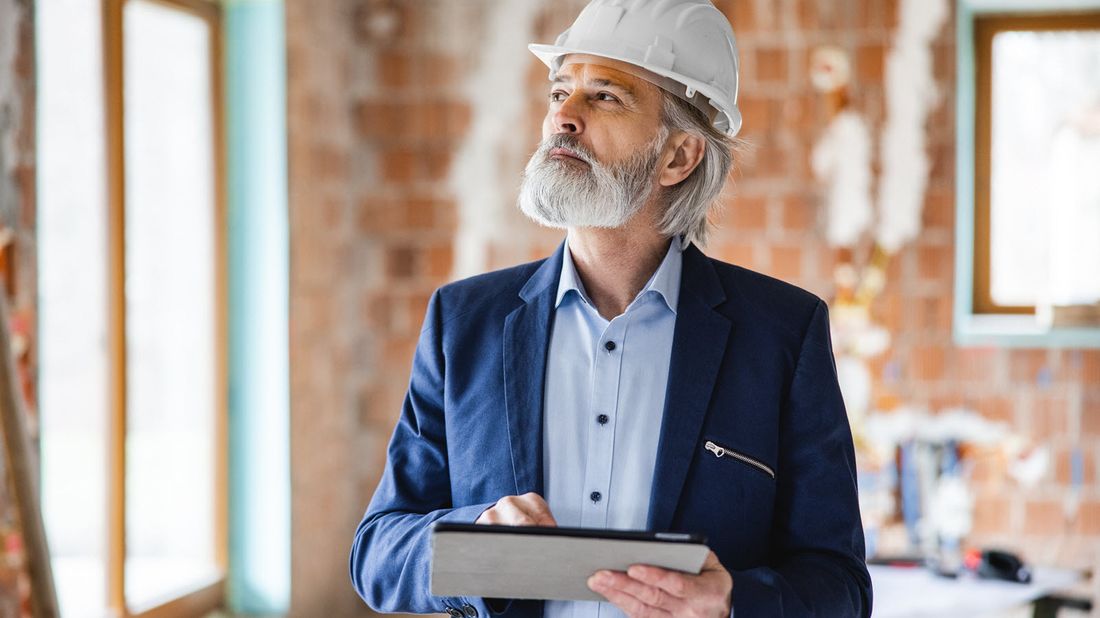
602	417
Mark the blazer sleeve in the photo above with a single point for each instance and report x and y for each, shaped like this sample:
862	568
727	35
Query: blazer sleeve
819	566
390	558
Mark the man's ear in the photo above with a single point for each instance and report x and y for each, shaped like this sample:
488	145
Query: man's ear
687	153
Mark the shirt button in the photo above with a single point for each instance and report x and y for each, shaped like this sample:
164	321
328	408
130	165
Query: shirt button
595	496
470	611
610	346
602	419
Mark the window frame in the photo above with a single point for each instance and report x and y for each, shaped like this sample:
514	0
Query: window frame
210	595
986	27
977	321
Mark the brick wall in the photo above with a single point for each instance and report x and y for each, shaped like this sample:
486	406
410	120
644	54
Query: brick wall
379	106
323	324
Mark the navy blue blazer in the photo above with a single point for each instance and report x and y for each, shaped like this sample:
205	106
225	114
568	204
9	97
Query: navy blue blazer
752	370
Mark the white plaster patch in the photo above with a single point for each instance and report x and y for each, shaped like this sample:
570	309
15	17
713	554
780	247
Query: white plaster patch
911	94
842	161
484	190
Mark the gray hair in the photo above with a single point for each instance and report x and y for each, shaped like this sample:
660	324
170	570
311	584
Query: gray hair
690	201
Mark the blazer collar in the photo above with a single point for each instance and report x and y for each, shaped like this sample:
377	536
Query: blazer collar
526	344
544	277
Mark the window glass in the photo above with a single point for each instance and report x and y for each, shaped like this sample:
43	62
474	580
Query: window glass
72	303
170	302
1045	185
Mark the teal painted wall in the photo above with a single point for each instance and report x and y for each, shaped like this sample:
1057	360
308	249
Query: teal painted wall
259	408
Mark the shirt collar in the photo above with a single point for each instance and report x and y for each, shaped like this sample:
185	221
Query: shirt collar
665	281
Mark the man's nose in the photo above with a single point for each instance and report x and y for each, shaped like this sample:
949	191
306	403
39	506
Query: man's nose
569	117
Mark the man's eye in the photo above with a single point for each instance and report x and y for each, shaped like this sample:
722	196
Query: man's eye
557	96
606	96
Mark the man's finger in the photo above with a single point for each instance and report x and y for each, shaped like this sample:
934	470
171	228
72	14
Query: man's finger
515	515
651	596
607	584
676	584
537	509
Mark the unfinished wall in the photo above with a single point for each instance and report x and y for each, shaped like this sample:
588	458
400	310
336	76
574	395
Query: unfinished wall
375	114
380	104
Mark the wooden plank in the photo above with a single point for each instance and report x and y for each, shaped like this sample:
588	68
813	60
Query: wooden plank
116	311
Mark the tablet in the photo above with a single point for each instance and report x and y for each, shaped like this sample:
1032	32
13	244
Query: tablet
536	562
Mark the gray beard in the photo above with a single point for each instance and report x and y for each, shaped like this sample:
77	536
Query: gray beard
566	193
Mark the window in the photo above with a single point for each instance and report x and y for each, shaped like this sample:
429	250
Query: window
1037	238
132	261
1028	233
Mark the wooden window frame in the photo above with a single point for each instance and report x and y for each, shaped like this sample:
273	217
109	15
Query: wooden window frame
986	27
209	595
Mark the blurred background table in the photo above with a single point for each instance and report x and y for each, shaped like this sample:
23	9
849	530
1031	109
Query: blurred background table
912	592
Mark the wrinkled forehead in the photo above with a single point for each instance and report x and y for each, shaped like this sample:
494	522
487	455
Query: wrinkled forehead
605	69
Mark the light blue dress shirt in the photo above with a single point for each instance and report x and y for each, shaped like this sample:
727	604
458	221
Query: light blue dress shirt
604	402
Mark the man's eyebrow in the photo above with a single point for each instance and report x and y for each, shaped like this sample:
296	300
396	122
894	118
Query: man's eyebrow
599	83
607	83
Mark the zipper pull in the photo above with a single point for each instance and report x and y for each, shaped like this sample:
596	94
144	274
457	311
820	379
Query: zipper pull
714	448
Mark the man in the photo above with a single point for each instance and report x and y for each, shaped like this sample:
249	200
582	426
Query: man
629	381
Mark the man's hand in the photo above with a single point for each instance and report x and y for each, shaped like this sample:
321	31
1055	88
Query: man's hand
526	510
645	591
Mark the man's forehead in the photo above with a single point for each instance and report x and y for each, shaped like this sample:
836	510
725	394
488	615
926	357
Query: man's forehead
601	70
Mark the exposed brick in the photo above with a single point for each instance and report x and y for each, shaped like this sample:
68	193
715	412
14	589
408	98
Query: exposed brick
991	514
1049	417
771	64
798	214
439	261
935	261
401	262
927	362
441	72
398	353
759	114
939	209
786	262
1063	466
1090	415
1090	367
437	164
933	313
997	408
1029	366
398	165
419	213
974	364
1089	517
394	69
735	253
749	214
870	60
1044	517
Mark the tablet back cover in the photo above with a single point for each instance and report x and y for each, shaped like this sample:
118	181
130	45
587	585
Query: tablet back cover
523	566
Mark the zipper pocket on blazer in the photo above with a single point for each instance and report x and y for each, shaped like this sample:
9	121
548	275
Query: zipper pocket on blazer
721	451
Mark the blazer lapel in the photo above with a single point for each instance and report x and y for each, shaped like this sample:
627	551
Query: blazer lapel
700	339
526	342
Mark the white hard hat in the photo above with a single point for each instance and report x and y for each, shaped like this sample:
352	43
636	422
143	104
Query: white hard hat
688	41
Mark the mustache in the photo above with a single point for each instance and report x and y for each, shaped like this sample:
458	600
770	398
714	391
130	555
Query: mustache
568	141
